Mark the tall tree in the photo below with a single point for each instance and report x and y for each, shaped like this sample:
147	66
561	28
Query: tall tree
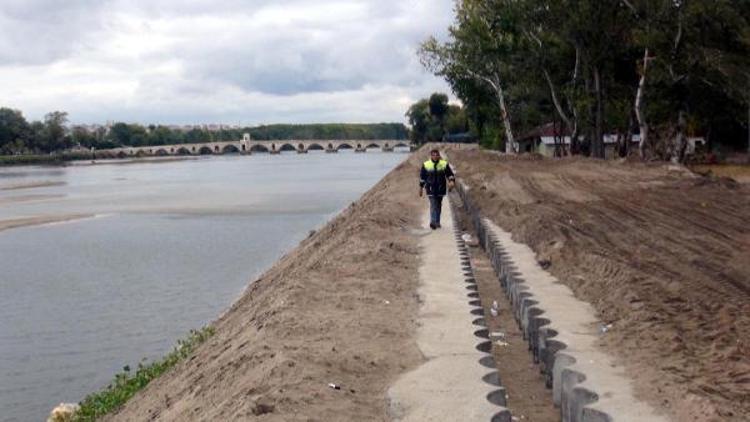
54	137
439	110
480	48
14	131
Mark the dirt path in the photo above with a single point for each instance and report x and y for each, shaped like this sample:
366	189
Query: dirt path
662	254
340	308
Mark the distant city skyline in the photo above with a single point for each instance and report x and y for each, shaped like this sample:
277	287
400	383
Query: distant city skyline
231	62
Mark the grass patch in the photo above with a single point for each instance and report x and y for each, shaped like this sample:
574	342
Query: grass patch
127	383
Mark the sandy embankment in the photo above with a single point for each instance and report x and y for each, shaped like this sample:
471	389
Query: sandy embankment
661	254
32	185
340	308
39	220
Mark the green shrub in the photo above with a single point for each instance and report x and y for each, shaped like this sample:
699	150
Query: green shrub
127	383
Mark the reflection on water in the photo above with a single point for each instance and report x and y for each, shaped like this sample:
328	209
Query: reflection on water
175	244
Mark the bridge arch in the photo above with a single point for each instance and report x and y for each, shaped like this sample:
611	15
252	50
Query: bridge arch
287	147
315	147
372	145
344	145
205	150
230	149
259	148
161	152
183	151
401	144
140	153
122	154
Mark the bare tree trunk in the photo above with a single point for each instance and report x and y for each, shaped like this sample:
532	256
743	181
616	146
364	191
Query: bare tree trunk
598	142
748	127
495	83
629	135
643	125
556	101
680	142
510	141
575	147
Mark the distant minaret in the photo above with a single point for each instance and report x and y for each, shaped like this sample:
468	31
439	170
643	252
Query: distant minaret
245	144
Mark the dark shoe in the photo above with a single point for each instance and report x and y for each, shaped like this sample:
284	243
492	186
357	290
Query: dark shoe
433	226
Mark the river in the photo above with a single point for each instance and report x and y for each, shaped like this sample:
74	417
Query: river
153	249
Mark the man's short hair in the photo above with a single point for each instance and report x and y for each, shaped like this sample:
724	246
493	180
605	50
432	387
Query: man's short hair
434	151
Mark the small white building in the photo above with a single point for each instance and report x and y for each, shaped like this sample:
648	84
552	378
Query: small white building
550	141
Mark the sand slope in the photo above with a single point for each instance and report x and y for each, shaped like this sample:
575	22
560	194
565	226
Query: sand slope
338	309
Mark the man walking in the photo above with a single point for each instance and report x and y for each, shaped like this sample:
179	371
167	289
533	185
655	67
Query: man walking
435	176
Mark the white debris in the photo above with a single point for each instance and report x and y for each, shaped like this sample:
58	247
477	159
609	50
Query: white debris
64	412
469	240
497	335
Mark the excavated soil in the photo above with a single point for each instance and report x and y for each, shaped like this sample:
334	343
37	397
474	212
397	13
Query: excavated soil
661	253
339	309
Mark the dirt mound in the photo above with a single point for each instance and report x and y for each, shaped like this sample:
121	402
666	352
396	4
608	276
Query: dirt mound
662	254
338	309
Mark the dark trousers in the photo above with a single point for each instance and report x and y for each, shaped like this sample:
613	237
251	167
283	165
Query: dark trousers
436	204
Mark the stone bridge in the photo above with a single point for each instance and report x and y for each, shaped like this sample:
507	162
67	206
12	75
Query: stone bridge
247	146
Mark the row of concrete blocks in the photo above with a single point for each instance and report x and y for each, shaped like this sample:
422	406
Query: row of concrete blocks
499	395
548	352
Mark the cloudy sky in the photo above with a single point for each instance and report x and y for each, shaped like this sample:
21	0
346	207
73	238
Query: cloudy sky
230	61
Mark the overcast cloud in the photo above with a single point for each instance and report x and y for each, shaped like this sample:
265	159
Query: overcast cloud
248	62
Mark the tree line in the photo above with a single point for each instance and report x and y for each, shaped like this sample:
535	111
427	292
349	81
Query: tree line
664	69
53	134
17	136
123	134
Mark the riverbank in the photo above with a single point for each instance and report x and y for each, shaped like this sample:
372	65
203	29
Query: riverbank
39	220
48	159
80	159
339	309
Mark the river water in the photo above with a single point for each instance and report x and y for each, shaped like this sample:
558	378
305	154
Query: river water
167	247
